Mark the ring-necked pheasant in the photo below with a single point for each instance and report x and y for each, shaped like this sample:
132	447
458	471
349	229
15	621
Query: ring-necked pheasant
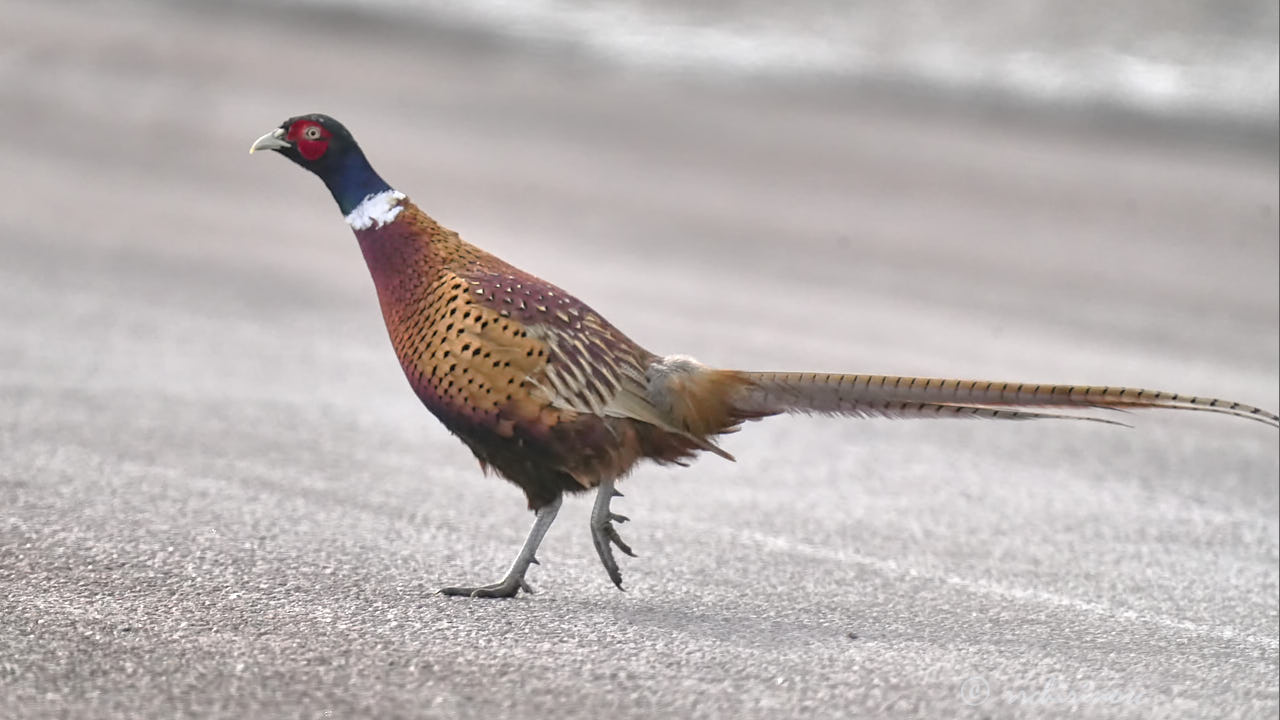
555	399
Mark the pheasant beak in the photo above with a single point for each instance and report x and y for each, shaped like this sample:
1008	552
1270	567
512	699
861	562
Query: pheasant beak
273	140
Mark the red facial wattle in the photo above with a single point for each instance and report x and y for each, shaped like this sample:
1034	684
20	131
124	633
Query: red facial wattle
310	138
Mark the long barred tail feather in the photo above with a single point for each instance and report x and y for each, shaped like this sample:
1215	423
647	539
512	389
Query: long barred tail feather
943	410
894	396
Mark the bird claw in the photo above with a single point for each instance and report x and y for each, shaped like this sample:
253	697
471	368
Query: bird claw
617	540
605	536
508	588
513	582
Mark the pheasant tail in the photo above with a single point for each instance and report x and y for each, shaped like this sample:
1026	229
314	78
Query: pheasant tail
766	393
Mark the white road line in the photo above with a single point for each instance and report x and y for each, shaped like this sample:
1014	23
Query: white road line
773	543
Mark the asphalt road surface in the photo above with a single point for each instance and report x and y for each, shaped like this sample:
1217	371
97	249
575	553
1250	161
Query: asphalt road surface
219	498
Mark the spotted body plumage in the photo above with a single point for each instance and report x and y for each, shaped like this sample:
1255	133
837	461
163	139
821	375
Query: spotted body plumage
548	394
520	370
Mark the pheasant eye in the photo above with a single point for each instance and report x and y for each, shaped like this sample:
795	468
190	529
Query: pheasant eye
312	132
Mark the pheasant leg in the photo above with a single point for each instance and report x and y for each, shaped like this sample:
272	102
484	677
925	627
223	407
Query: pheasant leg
603	533
513	582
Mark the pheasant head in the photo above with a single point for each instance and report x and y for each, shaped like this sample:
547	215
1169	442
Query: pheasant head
322	145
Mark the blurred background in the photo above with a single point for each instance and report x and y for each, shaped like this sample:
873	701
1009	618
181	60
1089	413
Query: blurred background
1170	58
209	460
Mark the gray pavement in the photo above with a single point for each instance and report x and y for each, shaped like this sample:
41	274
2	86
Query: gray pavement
218	497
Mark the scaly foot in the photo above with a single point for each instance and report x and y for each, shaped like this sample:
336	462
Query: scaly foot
508	587
511	584
604	535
